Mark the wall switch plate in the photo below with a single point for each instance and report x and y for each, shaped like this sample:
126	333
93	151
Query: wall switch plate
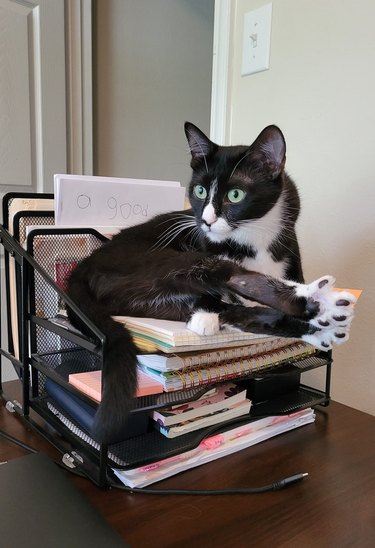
256	40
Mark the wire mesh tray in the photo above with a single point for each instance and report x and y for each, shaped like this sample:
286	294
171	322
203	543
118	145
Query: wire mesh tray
133	452
289	403
58	366
152	446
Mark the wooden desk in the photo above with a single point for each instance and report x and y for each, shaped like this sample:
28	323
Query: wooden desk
334	507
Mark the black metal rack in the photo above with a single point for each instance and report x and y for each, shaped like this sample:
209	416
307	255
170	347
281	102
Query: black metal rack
47	351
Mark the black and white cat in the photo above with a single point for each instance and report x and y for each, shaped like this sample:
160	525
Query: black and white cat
236	247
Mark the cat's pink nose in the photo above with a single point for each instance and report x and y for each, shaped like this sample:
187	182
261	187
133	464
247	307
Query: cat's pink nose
209	216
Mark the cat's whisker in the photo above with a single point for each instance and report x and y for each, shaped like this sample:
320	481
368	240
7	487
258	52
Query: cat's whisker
279	235
266	228
288	249
238	163
196	233
289	209
258	224
178	217
276	231
167	237
285	222
179	222
172	229
279	241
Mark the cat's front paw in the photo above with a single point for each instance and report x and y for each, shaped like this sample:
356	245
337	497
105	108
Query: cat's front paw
204	323
334	313
316	290
324	339
325	306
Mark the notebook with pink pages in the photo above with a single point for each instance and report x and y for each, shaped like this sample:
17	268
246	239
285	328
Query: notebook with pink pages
90	383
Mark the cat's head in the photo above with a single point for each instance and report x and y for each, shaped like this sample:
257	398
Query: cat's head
233	184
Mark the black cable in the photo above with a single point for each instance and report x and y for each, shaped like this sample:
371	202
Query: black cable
18	442
74	471
276	486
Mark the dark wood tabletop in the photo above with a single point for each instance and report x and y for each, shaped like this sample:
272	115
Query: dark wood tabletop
333	507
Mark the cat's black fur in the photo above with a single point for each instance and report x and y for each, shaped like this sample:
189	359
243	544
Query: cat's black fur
176	265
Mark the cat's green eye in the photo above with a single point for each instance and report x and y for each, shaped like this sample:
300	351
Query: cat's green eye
236	195
200	192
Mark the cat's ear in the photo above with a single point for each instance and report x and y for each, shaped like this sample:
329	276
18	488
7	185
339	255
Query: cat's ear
269	150
200	145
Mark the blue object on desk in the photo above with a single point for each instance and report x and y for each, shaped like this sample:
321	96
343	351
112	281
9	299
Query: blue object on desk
83	413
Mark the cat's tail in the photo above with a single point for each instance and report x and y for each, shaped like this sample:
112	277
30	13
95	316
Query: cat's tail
119	377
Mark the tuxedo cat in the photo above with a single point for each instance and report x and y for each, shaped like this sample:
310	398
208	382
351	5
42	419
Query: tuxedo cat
231	260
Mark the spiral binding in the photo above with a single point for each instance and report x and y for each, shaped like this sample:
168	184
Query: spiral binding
200	374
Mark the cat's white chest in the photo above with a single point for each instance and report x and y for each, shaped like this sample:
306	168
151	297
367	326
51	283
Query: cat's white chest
264	263
259	235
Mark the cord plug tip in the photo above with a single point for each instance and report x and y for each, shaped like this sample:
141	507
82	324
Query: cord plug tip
289	481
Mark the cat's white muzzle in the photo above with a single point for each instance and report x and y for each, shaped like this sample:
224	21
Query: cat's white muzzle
217	231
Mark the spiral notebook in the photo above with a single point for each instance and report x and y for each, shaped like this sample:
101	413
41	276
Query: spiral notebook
173	362
200	375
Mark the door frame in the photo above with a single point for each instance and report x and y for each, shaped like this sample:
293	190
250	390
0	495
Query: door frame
79	86
220	93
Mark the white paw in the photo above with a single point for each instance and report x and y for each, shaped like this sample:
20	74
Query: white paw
325	339
336	310
317	289
334	316
204	323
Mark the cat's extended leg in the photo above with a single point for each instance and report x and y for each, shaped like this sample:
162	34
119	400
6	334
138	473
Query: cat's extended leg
267	321
314	312
316	301
213	276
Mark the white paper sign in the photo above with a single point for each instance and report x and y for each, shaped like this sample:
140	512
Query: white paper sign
107	201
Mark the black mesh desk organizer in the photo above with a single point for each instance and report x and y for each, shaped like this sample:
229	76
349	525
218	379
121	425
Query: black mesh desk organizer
49	350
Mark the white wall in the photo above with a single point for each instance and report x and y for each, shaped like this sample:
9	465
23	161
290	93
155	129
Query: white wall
320	90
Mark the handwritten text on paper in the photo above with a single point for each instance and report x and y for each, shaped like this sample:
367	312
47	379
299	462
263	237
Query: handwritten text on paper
124	210
98	201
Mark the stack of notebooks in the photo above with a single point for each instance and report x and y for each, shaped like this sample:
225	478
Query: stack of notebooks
180	359
176	359
224	402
